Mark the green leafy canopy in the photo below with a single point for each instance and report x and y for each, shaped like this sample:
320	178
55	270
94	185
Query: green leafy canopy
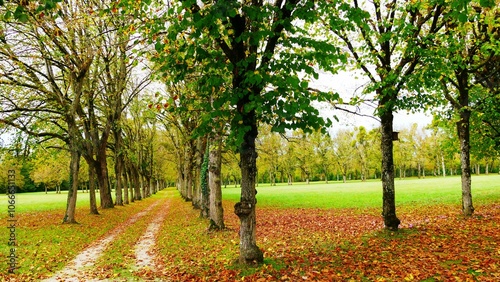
200	44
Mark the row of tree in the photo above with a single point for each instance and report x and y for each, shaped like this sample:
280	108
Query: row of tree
346	155
67	81
44	166
232	65
244	63
355	154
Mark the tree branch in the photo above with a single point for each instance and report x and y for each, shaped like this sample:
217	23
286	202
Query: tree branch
32	133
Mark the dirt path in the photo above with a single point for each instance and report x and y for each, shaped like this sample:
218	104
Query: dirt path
144	249
75	270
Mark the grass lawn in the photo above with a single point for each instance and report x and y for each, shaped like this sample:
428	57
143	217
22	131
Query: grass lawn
39	201
356	194
353	194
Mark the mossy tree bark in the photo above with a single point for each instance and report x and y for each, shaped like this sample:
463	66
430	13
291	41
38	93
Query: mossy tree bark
245	209
215	187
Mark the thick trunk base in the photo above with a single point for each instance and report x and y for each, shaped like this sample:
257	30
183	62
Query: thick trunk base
251	256
250	253
391	222
214	227
467	207
68	221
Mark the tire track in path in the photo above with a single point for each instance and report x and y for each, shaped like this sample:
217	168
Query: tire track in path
75	269
144	248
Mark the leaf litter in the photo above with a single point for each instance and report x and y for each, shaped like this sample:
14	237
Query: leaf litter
434	244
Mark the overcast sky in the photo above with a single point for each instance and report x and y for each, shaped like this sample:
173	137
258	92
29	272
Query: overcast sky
348	84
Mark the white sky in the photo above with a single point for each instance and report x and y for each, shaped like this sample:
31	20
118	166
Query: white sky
349	83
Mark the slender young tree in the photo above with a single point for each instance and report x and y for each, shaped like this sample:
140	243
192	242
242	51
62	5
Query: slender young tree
361	146
383	39
467	44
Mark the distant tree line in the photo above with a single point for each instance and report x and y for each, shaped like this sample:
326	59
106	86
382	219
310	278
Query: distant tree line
355	155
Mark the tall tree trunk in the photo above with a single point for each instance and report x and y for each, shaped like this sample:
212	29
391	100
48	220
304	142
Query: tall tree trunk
132	185
141	185
152	185
137	184
74	167
101	166
180	180
148	185
126	184
145	186
147	180
119	163
92	198
196	200
188	173
463	130
245	209
388	189
443	165
363	172
204	184
215	189
198	159
142	179
118	188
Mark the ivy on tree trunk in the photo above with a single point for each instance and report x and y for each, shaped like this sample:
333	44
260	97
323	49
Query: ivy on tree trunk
214	178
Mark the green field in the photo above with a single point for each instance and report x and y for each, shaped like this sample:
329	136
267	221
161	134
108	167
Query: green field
39	201
356	194
353	194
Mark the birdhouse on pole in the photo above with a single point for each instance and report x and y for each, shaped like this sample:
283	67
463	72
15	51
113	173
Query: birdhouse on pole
395	136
